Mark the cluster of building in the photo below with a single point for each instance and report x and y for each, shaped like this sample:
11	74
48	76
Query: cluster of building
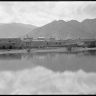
41	42
10	43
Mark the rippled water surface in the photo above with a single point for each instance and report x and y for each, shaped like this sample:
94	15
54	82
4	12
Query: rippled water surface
48	73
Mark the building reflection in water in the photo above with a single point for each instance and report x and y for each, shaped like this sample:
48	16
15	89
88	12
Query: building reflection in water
48	73
57	62
14	62
16	56
67	61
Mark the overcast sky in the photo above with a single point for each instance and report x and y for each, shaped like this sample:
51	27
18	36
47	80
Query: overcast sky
41	13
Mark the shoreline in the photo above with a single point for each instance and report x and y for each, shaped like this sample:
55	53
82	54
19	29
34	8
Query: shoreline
46	50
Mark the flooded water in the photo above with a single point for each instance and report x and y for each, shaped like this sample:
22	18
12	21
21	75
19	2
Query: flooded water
48	73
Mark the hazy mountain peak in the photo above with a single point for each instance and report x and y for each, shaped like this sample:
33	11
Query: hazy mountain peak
89	20
73	21
61	29
14	29
61	21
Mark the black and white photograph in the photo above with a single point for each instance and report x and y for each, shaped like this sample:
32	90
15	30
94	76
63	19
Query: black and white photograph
47	47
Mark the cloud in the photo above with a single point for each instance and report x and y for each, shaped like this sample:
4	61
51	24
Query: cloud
90	9
47	82
29	12
40	13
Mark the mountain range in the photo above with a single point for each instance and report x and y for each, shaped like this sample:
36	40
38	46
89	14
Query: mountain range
12	30
58	29
64	30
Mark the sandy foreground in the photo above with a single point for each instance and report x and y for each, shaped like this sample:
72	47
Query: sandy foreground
40	80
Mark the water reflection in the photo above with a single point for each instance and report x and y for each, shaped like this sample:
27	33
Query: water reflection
55	73
88	53
66	61
47	82
16	56
57	62
15	62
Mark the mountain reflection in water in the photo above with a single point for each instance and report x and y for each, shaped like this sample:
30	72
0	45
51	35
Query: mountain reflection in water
58	62
48	73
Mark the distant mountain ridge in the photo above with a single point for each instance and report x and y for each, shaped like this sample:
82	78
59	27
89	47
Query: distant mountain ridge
64	30
11	30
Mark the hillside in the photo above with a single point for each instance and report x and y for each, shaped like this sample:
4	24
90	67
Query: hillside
14	29
63	30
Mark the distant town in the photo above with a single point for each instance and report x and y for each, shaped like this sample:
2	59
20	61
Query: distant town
42	42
